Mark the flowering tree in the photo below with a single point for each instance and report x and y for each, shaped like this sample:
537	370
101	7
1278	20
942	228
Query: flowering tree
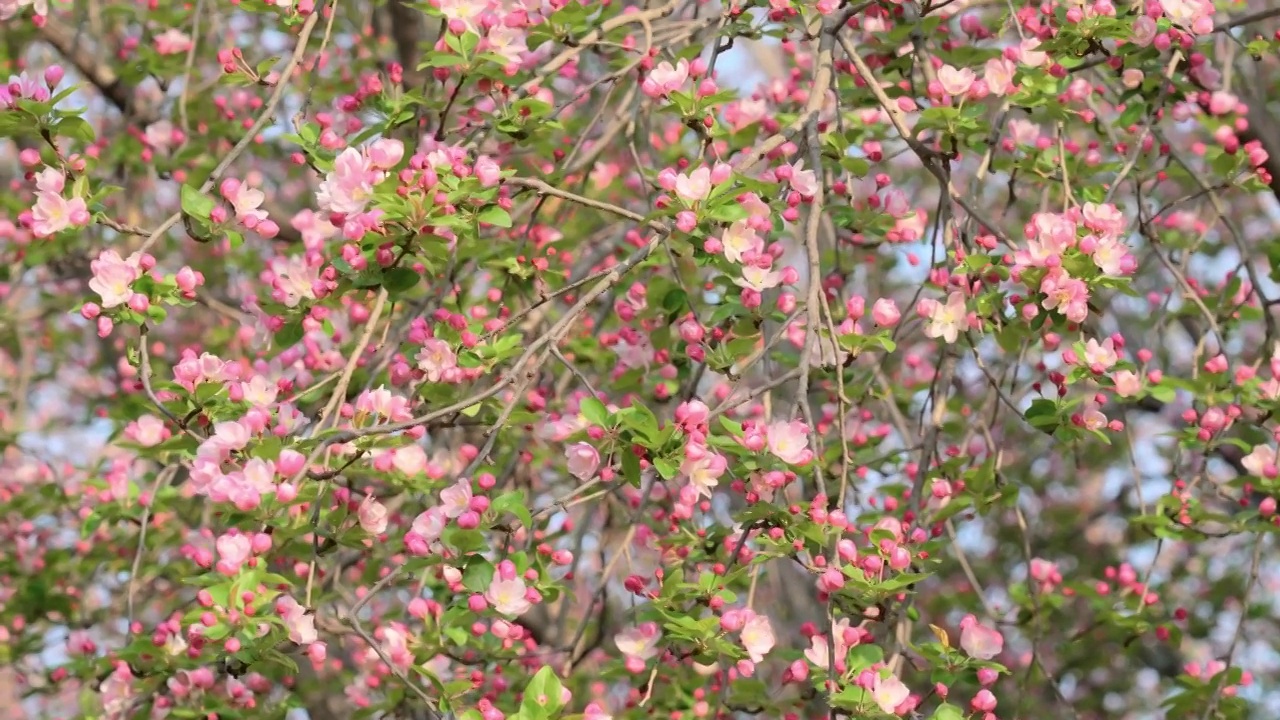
505	359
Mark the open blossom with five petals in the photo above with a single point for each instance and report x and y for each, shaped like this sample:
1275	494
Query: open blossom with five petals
1104	219
955	81
245	200
348	189
507	42
508	597
52	212
1112	257
694	186
947	319
456	499
1100	355
739	240
294	281
639	642
888	692
436	359
704	472
113	278
998	75
757	637
1065	294
758	278
789	442
383	403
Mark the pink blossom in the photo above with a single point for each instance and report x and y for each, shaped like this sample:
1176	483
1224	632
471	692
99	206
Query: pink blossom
639	642
979	641
1065	294
117	690
53	213
739	240
436	359
665	79
1194	15
704	472
888	692
409	460
955	81
1261	461
429	526
456	499
1127	383
348	189
372	516
757	278
803	181
233	552
789	442
757	637
300	623
172	42
947	320
508	597
314	228
113	278
507	42
584	460
1112	257
382	402
1030	55
1144	31
10	8
695	186
1104	219
487	171
467	12
998	75
885	312
245	200
295	280
385	153
147	431
259	391
1100	355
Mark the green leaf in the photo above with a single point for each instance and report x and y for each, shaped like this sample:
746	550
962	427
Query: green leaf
631	467
196	203
76	128
290	334
399	280
595	412
514	502
1043	414
542	695
947	711
494	215
478	575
